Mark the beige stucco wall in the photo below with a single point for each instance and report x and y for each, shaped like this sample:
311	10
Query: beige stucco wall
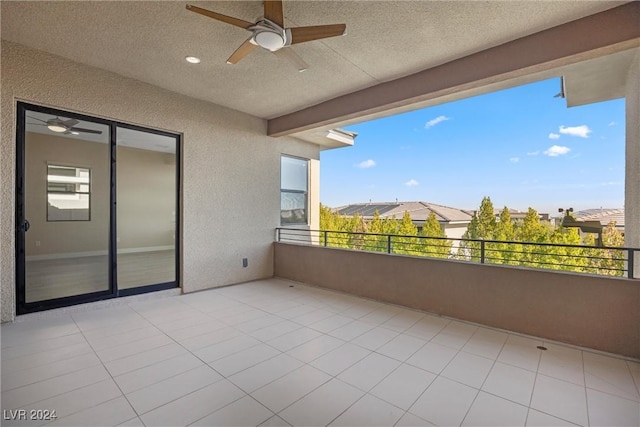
632	161
590	311
231	173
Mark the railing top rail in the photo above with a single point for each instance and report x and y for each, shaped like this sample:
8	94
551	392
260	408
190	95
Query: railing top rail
623	248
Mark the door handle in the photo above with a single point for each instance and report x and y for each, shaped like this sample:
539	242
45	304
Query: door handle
26	226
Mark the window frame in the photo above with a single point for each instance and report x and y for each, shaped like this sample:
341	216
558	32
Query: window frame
305	192
87	193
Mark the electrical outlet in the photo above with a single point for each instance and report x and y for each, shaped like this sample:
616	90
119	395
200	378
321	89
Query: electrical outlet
37	243
245	262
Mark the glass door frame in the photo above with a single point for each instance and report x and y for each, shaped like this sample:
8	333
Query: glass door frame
24	307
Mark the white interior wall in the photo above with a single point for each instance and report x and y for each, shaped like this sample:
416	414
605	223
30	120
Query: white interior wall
230	174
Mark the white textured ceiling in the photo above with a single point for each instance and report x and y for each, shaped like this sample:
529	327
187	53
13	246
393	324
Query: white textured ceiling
149	40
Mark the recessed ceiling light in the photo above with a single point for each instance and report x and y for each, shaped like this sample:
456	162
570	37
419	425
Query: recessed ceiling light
192	59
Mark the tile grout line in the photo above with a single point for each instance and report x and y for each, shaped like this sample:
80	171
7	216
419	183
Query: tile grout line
336	376
485	378
193	391
535	380
107	370
636	382
88	385
584	377
327	307
270	382
445	367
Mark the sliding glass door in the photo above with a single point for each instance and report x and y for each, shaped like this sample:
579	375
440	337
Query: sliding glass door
96	209
146	193
66	206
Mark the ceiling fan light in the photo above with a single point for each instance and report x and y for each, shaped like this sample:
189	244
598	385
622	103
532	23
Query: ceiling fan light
56	128
269	40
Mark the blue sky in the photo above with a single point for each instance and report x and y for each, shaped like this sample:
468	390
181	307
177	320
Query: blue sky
520	146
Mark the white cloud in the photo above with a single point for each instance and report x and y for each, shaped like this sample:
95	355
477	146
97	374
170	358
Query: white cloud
553	136
582	131
412	183
435	121
514	159
612	123
556	150
533	153
369	163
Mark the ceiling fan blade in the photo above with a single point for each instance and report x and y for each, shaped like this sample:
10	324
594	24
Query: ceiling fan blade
95	132
241	52
306	34
70	123
40	120
273	11
220	17
290	55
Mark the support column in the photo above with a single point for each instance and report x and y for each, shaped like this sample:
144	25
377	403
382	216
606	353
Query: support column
632	162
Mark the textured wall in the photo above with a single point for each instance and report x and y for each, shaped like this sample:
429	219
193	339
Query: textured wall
632	159
590	311
231	172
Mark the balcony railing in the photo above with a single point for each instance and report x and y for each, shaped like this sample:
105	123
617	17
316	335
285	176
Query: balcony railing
608	261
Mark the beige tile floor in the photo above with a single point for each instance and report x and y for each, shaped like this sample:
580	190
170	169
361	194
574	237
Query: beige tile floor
267	353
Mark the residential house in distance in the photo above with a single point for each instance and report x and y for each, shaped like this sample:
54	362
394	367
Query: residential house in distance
453	221
604	215
516	214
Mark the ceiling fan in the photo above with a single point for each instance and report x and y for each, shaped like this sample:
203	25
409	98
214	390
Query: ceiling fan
270	33
66	127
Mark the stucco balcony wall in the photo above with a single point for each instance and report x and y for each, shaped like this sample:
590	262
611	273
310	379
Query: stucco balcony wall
601	313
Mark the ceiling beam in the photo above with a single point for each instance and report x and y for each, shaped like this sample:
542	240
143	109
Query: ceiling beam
600	34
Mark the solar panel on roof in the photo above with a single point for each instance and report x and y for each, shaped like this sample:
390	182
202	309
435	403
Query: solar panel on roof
366	210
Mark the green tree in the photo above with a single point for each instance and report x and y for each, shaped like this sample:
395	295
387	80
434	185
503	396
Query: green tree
483	222
482	226
503	253
405	245
377	242
336	225
530	230
564	257
357	227
437	248
606	261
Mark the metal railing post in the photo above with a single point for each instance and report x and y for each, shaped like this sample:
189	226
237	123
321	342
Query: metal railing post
325	237
482	252
389	244
630	263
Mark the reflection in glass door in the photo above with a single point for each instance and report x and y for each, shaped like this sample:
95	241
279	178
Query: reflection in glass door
146	195
96	209
66	206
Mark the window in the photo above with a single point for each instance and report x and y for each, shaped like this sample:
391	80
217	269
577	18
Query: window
293	190
68	193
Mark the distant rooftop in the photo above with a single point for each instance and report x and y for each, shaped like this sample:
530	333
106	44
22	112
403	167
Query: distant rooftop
419	211
604	215
516	214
